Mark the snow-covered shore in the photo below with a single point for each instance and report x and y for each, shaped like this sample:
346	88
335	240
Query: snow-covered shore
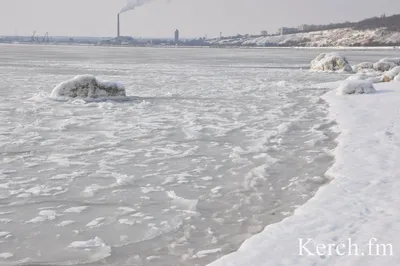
327	38
359	207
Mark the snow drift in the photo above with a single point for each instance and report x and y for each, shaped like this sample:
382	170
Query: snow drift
87	86
330	62
356	87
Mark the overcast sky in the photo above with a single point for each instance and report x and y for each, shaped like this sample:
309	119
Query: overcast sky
193	18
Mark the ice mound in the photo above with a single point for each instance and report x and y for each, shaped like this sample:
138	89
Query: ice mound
330	62
391	74
356	87
386	64
397	78
365	66
87	86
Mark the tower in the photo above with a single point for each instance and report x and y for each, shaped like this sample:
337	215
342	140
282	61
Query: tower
118	28
176	36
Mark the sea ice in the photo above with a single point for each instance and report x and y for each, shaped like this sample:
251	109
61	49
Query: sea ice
183	203
87	86
66	223
96	242
6	255
96	222
76	209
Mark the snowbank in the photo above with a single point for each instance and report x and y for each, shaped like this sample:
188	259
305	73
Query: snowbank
360	206
330	62
397	78
356	87
87	86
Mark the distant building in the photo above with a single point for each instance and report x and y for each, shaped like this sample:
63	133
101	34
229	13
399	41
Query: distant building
264	33
176	36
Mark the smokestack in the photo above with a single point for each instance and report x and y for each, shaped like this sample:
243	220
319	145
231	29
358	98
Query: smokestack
118	29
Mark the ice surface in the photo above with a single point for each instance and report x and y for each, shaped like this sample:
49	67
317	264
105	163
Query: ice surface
330	62
356	87
258	134
87	86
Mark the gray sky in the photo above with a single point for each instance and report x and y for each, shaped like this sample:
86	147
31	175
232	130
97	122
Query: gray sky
193	18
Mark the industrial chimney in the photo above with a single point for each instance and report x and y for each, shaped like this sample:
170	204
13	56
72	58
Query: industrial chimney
118	29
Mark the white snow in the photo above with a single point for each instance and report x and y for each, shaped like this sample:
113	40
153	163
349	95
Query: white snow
87	86
397	78
330	62
356	87
360	204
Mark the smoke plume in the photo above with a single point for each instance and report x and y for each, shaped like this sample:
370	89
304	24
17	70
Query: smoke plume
132	4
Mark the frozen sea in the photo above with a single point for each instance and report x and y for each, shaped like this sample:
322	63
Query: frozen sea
210	147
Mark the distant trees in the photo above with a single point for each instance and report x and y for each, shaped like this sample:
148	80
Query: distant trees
392	23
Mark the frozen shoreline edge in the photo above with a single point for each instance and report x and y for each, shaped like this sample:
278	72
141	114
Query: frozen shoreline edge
356	187
328	173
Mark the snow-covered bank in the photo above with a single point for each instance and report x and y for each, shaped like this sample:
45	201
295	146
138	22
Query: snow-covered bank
332	38
361	203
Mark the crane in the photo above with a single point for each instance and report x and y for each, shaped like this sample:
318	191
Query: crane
46	37
33	36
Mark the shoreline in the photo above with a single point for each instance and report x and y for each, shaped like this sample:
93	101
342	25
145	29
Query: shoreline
352	48
358	205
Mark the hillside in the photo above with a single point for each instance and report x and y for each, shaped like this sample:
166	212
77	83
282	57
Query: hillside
382	31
